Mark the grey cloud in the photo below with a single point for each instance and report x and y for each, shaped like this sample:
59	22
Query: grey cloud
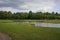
17	3
11	3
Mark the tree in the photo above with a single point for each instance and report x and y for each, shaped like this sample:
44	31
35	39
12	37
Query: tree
30	14
53	13
56	13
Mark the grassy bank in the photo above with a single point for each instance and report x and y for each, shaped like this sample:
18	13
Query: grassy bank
48	21
24	31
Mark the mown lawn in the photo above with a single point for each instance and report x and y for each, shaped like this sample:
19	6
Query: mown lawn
25	31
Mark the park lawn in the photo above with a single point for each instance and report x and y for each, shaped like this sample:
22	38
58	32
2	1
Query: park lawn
25	31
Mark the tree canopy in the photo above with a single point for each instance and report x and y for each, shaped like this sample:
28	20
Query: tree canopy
29	15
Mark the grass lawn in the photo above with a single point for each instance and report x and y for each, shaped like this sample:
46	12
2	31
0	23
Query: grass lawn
24	31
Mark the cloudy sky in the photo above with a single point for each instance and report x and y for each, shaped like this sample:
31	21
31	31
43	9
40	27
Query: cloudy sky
26	5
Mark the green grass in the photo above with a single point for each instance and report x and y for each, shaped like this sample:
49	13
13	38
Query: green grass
47	21
24	31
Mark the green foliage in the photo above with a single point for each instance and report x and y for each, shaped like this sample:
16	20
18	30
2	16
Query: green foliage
30	15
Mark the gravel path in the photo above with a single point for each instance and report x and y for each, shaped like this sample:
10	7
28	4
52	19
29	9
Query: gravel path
4	36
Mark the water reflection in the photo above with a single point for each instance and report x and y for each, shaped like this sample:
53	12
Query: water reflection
46	24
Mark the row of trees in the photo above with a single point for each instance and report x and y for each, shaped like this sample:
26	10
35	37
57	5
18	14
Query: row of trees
29	15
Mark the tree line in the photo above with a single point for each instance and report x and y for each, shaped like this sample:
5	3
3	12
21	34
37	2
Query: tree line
29	15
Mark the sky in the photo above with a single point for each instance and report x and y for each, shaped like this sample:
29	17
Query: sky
27	5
